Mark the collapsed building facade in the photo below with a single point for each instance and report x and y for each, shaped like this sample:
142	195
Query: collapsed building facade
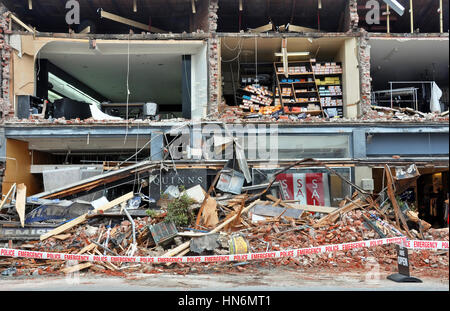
78	100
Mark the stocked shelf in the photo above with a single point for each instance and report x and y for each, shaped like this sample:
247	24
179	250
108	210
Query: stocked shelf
294	91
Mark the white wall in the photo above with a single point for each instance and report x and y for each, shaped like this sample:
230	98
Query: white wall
350	77
199	83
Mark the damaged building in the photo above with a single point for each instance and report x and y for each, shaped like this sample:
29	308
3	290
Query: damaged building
140	96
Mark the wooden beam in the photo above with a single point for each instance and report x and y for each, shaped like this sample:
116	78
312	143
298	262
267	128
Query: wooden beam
86	30
264	28
84	217
21	199
77	267
13	188
18	21
411	12
295	28
388	21
400	219
307	208
129	22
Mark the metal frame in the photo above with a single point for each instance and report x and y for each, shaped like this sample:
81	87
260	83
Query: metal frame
391	83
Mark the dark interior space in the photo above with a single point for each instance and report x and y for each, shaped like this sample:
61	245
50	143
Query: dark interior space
432	190
412	67
168	15
306	13
425	13
102	78
425	194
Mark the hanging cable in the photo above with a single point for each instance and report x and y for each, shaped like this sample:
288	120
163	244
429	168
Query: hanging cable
256	61
237	56
128	88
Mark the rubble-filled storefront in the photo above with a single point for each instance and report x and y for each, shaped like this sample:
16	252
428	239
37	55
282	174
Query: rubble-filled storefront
122	126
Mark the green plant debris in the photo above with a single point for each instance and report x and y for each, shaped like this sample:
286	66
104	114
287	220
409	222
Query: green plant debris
178	211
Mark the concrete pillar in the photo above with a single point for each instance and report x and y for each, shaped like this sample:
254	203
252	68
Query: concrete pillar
157	146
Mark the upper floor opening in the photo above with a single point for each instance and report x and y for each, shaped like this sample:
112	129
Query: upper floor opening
278	15
112	17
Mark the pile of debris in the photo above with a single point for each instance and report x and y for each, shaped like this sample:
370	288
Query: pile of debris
195	222
230	114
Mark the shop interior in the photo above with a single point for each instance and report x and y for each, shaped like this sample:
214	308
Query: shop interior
425	194
117	80
410	74
322	77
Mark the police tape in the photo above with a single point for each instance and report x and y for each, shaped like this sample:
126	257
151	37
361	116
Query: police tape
412	244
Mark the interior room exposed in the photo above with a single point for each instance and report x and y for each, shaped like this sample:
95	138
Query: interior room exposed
244	58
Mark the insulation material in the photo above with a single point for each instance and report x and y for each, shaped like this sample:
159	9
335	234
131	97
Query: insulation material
209	215
97	114
436	94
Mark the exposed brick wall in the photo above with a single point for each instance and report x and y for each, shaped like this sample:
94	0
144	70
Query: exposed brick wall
5	54
213	57
354	17
201	18
364	69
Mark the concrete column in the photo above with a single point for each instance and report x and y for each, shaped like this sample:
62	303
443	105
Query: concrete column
157	146
359	144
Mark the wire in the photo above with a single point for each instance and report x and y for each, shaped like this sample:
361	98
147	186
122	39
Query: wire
256	60
128	87
241	44
186	76
235	48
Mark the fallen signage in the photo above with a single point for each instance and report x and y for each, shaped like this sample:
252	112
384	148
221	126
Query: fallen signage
403	268
187	178
307	188
14	231
163	232
64	210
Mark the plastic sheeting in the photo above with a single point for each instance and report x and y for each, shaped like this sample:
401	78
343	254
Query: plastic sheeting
436	95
